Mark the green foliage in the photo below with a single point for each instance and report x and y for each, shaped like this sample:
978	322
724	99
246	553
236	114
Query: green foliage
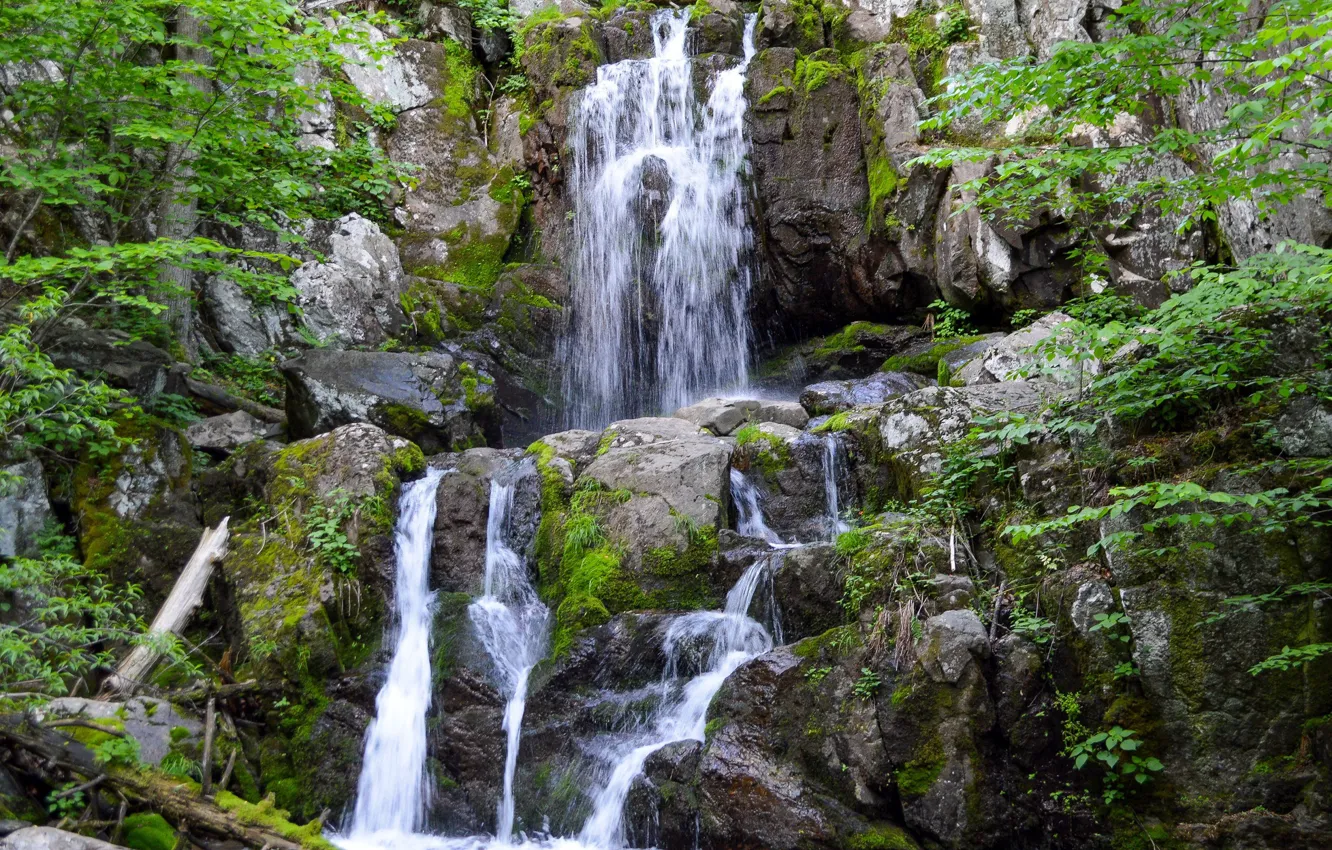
62	804
950	321
867	685
1290	658
326	533
181	766
175	410
1110	624
70	613
255	378
1033	627
490	15
1115	751
123	751
143	109
1271	145
852	542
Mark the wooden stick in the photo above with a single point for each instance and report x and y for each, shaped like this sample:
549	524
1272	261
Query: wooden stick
226	400
86	724
70	792
185	597
206	766
226	772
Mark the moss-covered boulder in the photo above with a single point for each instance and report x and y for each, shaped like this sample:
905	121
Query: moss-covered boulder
135	509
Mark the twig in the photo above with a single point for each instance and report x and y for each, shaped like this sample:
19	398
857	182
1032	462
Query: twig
70	792
994	617
206	766
86	724
226	772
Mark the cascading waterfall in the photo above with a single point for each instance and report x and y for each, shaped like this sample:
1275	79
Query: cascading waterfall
734	639
831	450
659	294
512	624
391	794
751	522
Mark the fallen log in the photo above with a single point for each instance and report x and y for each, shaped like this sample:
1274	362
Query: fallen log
185	597
256	825
227	401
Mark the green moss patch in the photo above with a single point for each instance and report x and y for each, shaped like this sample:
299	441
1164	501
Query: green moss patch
149	831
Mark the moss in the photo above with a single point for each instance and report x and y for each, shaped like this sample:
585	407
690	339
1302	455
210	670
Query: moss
775	92
882	836
883	183
149	831
849	340
830	645
404	420
773	453
927	362
917	777
266	814
839	421
815	72
460	80
474	261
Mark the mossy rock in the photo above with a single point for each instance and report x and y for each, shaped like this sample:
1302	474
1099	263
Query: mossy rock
149	831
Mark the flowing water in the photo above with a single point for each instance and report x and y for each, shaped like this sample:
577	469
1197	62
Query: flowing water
391	794
658	317
512	624
751	522
729	638
831	463
661	280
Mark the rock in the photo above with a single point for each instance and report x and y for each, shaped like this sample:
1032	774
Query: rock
134	365
981	264
151	722
855	351
897	102
286	596
50	838
8	826
667	527
790	470
464	207
229	431
809	178
439	22
914	427
1002	35
1305	429
720	416
952	591
641	432
723	416
392	80
1050	23
810	594
1092	598
1005	358
239	325
628	35
136	512
574	449
432	398
834	396
353	297
953	640
463	510
24	509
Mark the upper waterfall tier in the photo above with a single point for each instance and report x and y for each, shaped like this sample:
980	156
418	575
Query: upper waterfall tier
661	272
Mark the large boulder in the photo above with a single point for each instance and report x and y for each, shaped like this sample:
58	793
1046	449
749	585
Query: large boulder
157	725
130	364
353	295
223	434
24	508
1008	357
135	510
835	396
435	399
723	416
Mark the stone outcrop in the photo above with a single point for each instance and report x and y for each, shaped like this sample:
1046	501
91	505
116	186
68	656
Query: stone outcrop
434	399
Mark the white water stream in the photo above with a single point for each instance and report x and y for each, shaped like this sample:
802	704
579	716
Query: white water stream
390	797
659	287
750	523
831	456
512	624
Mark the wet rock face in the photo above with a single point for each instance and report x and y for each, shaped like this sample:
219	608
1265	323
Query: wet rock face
463	510
433	399
353	297
835	396
809	176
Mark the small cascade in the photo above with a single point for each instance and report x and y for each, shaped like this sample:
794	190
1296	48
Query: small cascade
392	790
512	625
831	460
730	638
661	277
751	522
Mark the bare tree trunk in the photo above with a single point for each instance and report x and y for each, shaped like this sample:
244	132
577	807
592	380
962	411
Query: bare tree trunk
180	605
178	214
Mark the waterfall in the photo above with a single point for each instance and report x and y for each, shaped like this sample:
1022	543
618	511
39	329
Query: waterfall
660	279
511	623
831	450
732	638
751	522
391	793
